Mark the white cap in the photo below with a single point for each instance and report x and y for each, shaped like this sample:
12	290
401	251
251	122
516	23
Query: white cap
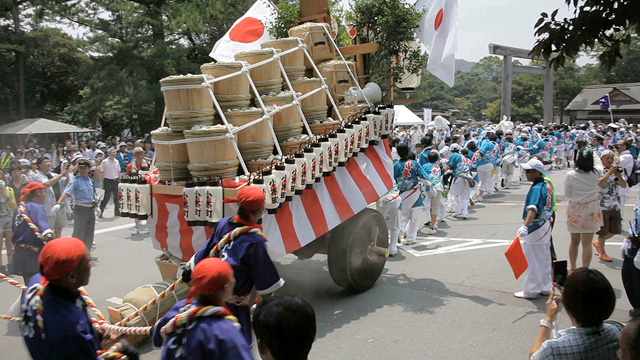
455	147
534	164
99	152
122	144
24	162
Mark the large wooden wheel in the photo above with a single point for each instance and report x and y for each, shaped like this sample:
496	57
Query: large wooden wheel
358	250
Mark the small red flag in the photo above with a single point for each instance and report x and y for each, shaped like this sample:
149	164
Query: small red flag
516	258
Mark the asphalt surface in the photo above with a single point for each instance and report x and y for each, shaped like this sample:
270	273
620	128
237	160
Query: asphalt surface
448	297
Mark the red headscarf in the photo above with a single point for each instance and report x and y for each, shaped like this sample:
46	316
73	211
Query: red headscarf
31	187
60	256
209	276
251	198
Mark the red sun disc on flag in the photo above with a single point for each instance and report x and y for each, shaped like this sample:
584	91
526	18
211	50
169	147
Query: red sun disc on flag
352	32
247	30
438	21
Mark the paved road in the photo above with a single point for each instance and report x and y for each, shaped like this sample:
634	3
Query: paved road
449	296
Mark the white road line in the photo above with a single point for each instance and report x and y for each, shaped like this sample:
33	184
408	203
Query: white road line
114	228
516	203
465	245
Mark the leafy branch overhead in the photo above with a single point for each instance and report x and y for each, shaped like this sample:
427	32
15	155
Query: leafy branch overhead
392	24
601	25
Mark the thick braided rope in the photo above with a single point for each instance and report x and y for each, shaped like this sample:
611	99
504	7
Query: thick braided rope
11	281
11	318
106	354
92	304
187	316
32	225
119	330
230	236
151	303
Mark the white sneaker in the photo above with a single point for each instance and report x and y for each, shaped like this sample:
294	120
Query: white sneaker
433	231
457	215
479	199
135	231
409	242
443	221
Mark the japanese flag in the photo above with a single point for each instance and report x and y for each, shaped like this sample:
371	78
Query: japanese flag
438	32
247	33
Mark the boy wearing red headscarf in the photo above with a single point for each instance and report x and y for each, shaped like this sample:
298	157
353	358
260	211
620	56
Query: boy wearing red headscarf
246	252
31	231
202	327
55	323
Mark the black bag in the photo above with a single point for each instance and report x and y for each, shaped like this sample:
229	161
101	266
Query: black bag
632	179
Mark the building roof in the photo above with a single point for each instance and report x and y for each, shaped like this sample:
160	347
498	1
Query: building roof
623	97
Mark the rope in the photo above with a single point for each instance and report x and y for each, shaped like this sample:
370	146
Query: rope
11	318
186	317
144	308
108	354
32	225
230	236
13	282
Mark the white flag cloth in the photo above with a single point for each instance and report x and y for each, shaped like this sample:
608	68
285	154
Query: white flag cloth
247	33
438	32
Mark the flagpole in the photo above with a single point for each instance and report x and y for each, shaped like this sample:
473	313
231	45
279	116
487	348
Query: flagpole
610	112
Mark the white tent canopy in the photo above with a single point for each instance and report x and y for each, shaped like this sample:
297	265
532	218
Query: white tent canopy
40	126
406	117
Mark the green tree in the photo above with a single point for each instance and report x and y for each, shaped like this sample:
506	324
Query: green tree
391	24
609	24
135	44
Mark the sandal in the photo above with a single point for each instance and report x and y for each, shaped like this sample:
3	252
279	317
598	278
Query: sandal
595	245
605	257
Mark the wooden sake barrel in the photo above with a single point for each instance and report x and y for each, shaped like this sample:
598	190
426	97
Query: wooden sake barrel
267	77
182	124
288	122
314	107
293	62
170	157
291	147
319	44
348	111
254	142
257	165
234	92
211	157
337	77
323	127
189	99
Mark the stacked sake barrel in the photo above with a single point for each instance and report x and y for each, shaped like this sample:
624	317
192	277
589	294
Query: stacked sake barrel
231	93
213	158
337	77
171	160
293	63
188	106
267	77
287	123
255	142
318	41
349	111
315	106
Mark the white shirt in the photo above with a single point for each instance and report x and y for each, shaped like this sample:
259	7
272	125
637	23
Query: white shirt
581	187
110	168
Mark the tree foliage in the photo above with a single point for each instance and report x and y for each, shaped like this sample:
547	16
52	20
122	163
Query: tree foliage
391	24
609	24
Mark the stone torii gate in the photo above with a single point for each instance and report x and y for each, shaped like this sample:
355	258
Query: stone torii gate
508	53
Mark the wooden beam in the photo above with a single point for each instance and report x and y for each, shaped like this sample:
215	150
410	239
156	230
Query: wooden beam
529	70
325	18
406	101
495	49
360	49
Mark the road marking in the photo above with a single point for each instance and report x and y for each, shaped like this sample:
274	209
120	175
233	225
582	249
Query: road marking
515	203
462	244
114	300
113	228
